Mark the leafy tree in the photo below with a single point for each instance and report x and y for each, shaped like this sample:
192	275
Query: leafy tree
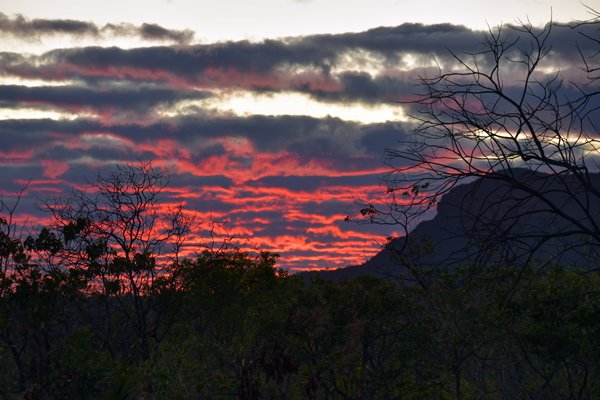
120	236
233	336
36	312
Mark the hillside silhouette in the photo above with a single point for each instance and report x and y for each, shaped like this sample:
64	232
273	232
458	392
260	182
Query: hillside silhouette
490	221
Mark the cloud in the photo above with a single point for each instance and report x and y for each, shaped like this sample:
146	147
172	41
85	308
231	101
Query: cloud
136	97
331	143
227	167
285	182
375	66
157	32
21	27
53	169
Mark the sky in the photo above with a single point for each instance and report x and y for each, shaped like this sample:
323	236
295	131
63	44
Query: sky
271	117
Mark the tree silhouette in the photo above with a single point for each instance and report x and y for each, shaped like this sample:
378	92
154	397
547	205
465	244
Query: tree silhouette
122	238
506	115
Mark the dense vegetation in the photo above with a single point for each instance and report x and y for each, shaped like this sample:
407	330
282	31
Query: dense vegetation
231	325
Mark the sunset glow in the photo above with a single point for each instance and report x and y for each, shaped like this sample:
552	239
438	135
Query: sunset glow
274	128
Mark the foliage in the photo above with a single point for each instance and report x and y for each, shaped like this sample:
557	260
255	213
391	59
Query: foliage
244	329
229	324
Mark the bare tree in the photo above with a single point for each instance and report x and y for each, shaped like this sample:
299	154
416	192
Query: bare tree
506	115
124	239
11	247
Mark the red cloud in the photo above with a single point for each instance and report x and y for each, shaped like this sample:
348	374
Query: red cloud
53	169
17	155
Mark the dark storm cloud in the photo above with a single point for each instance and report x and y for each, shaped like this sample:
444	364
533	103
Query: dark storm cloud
134	97
35	28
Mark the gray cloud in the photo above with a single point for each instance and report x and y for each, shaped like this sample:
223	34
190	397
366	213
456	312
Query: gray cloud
23	27
273	65
140	98
36	28
339	143
157	32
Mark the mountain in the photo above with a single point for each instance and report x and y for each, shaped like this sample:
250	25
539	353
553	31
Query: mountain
510	218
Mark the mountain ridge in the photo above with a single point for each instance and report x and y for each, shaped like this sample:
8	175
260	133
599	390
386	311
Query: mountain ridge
503	219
